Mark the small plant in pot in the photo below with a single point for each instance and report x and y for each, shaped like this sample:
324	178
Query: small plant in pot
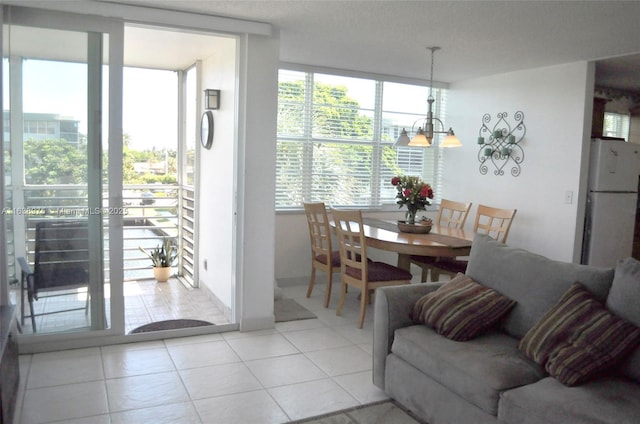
162	258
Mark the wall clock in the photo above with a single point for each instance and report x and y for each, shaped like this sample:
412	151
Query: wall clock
206	129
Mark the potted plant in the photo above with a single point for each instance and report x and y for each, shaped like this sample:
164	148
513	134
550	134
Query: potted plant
162	258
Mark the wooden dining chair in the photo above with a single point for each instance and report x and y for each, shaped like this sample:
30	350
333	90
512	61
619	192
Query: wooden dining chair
451	215
356	269
323	258
494	222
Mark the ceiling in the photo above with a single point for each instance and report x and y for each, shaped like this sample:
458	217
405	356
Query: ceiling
478	38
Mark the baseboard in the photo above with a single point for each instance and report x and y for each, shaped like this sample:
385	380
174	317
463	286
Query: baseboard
226	310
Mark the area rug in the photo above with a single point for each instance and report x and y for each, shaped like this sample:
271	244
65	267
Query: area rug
171	324
290	310
383	412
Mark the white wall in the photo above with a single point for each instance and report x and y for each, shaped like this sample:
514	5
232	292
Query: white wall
555	101
256	180
216	218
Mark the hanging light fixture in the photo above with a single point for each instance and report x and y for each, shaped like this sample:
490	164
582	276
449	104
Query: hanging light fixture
424	134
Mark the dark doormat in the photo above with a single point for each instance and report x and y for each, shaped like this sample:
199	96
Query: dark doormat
171	324
290	310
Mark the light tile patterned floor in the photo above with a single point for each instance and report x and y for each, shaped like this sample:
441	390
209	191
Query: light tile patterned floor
146	301
296	370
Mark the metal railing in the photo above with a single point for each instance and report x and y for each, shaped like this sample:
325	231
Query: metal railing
150	213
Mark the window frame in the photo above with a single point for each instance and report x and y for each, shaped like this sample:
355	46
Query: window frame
307	141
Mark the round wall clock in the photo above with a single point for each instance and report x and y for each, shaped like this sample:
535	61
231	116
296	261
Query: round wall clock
206	129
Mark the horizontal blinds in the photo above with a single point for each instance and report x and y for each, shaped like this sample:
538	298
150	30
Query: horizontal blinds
335	139
616	125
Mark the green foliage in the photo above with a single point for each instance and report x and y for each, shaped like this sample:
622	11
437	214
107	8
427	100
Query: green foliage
163	255
54	161
335	115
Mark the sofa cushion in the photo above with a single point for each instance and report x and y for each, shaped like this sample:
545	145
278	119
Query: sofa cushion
578	338
533	281
477	370
624	301
461	308
607	400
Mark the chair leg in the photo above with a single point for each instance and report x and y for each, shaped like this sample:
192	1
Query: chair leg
33	318
435	275
425	271
343	295
327	294
364	301
312	281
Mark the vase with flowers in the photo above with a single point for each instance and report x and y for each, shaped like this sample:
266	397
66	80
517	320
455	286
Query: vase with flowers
414	194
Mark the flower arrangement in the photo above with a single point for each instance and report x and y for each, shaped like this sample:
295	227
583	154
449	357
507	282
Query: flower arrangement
412	193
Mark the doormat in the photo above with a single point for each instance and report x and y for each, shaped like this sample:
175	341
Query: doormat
290	310
170	324
381	412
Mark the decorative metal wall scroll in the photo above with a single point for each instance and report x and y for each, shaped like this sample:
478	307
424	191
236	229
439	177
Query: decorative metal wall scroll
499	145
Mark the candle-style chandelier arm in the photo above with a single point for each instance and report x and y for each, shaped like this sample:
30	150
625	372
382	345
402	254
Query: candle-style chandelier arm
424	133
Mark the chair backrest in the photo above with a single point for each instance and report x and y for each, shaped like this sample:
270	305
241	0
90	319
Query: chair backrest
350	236
452	214
62	254
494	222
319	229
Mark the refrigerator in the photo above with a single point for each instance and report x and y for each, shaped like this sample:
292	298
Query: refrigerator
612	202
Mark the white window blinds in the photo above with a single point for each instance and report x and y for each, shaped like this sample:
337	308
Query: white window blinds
336	135
616	125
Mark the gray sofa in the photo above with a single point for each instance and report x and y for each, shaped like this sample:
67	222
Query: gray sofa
488	379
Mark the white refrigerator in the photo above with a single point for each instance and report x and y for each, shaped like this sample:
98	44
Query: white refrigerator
612	202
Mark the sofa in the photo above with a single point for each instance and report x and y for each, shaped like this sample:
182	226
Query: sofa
489	378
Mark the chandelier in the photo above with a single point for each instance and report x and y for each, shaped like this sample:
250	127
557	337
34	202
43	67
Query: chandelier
424	134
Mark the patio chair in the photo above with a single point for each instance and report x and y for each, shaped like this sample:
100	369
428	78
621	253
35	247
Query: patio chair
61	263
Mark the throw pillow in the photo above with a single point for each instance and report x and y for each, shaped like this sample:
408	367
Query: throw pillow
578	338
461	308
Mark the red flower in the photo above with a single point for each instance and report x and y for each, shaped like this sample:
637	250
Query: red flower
395	181
407	192
424	192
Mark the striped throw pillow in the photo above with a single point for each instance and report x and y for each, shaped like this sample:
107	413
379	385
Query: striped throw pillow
461	308
578	338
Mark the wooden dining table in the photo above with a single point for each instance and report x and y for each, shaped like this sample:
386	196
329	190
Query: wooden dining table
440	241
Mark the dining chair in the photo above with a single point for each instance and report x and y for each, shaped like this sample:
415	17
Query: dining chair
323	258
494	222
451	215
356	268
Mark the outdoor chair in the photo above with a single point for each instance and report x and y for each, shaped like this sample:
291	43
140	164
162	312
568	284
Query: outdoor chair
61	263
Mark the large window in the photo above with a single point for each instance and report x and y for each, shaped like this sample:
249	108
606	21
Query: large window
336	136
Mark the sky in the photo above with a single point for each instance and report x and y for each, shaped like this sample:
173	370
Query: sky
150	110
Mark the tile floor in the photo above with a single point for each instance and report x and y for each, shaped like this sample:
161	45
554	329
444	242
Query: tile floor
146	301
296	370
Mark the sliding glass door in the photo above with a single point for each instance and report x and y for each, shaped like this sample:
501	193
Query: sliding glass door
64	218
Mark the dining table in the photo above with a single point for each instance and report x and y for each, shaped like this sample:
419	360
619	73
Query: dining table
440	241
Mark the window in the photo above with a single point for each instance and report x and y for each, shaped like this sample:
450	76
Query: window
336	135
616	125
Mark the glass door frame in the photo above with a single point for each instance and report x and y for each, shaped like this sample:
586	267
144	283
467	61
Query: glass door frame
115	31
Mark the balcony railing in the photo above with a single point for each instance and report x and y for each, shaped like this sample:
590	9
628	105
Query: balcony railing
149	214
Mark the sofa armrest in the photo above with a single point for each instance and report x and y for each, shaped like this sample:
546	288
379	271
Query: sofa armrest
392	307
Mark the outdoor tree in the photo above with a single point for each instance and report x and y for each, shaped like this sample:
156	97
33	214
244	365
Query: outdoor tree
335	117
